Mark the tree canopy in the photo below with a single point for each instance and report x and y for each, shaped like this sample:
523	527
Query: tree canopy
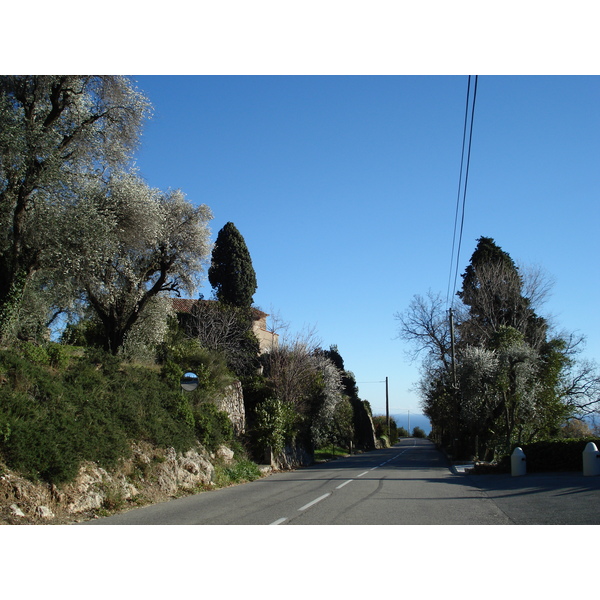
145	243
510	381
81	232
55	132
493	292
231	273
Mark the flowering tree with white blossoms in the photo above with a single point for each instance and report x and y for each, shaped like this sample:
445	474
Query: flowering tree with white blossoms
54	130
135	244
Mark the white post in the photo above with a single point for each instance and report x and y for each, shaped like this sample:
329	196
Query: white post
518	462
591	460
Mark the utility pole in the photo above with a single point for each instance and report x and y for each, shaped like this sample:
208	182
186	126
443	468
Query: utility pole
452	347
454	385
387	407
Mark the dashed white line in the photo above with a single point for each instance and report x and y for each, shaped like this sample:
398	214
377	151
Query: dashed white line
315	501
306	506
339	487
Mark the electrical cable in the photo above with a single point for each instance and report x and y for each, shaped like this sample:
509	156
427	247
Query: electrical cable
460	184
462	159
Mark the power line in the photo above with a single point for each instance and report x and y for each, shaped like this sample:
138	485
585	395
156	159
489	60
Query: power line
462	160
460	182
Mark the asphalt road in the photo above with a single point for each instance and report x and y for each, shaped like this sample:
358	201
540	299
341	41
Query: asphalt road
544	498
411	483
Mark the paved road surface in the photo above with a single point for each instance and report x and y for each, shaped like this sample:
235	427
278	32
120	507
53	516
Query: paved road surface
544	498
410	483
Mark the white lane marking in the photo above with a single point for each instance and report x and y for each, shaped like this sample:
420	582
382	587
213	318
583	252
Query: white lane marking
315	501
339	487
306	506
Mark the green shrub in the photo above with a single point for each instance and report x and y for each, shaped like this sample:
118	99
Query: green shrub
213	427
172	373
86	333
50	421
210	367
419	433
58	355
238	472
274	425
380	423
34	353
58	409
37	442
107	362
184	412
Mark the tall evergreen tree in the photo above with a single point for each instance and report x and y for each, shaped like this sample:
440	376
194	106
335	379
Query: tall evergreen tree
508	373
493	292
231	273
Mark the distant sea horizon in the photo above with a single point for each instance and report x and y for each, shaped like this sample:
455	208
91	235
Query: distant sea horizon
411	420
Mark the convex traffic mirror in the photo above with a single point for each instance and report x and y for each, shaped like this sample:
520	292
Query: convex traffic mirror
189	382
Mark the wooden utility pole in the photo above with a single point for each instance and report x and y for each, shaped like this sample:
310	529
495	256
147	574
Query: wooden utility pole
454	382
387	407
452	347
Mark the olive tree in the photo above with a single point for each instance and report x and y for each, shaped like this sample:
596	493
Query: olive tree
54	130
501	393
135	243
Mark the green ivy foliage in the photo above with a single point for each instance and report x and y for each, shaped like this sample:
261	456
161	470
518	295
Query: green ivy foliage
275	425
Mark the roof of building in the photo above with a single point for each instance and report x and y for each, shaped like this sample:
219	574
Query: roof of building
185	305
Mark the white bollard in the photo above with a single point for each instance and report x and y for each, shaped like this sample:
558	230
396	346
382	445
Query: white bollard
591	460
518	462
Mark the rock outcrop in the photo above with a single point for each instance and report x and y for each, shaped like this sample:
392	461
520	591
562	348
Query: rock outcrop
232	402
149	475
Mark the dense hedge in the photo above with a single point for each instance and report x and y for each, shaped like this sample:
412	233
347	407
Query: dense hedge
554	455
57	411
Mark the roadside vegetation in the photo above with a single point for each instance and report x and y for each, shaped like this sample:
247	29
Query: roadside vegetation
496	374
92	347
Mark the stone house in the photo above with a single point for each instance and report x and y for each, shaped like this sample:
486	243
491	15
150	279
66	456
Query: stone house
267	339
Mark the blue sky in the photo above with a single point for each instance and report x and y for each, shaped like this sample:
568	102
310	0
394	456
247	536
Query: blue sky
345	189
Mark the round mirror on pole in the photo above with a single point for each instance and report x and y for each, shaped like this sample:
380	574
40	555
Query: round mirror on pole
189	382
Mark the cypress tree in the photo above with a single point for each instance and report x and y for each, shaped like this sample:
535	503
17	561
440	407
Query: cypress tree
493	291
231	273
